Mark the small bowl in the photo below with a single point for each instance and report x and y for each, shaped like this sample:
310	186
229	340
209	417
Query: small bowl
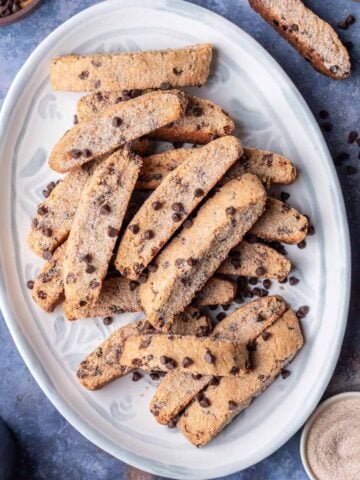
308	425
14	17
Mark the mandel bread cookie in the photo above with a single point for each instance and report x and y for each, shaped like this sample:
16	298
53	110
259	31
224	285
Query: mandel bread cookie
195	253
203	120
278	345
242	325
96	226
116	125
182	67
172	202
314	38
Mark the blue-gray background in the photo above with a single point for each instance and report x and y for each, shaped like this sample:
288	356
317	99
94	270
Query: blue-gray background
49	447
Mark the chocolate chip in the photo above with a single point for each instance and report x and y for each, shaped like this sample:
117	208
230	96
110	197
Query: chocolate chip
324	114
234	370
197	111
75	119
176	217
86	258
311	230
156	205
133	285
253	280
199	192
149	234
47	232
191	262
82	303
177	145
284	196
177	71
302	311
267	283
107	321
90	268
41	294
251	346
232	405
187	361
42	210
327	126
177	207
136	376
301	244
46	255
352	136
283	280
220	316
75	153
285	373
230	211
170	364
196	376
260	271
45	193
116	122
51	186
105	209
266	335
143	278
165	86
293	281
94	284
83	75
152	267
350	19
154	375
86	153
204	402
350	170
134	228
260	318
173	422
215	381
30	284
188	223
209	357
112	232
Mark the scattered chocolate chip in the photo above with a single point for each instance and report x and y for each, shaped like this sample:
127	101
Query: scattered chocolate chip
209	357
230	211
105	209
260	318
134	228
45	193
191	262
42	210
234	370
220	316
46	255
156	205
302	311
152	267
75	153
177	71
343	25
116	122
133	285
107	321
83	75
176	217
82	303
266	335
199	192
197	111
165	86
143	278
352	136
283	280
284	196
267	283
136	376
177	207
154	375
350	19
112	232
47	232
251	346
253	280
285	373
311	230
188	223
173	422
260	271
94	284
350	170
30	284
51	186
327	126
90	268
215	381
204	402
232	405
170	364
149	234
187	361
324	114
75	119
86	258
86	153
301	244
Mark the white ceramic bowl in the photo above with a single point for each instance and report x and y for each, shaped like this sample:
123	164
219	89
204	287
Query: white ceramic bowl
306	430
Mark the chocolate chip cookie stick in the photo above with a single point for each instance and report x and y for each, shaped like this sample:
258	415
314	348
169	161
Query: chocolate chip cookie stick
96	226
103	366
243	325
187	262
172	202
203	120
188	66
277	346
115	126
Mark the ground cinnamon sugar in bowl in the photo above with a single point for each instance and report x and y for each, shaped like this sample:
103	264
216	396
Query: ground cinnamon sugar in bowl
333	442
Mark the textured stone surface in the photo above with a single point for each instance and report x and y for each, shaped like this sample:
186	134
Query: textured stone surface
49	446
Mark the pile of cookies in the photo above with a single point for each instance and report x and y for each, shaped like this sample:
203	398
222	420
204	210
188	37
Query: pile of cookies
169	233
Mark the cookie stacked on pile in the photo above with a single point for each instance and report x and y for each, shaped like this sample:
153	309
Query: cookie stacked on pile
206	219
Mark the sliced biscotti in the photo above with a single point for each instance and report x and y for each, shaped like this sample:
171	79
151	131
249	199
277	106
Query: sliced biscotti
281	223
185	353
117	125
278	345
171	203
96	225
103	366
48	290
255	260
52	222
182	67
193	256
244	325
119	295
314	38
271	168
203	120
